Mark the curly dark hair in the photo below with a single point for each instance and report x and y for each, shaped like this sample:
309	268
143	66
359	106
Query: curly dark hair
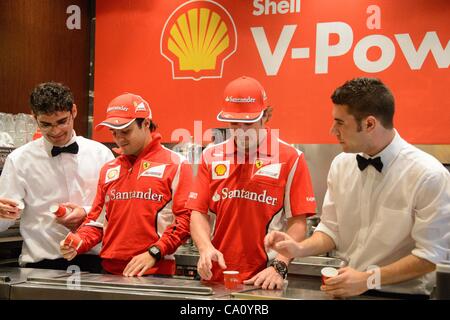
367	97
50	97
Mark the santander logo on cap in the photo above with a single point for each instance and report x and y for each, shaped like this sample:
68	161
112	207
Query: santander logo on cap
124	109
240	100
116	108
244	101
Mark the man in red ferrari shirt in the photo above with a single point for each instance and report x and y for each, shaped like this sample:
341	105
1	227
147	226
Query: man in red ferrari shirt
247	186
143	191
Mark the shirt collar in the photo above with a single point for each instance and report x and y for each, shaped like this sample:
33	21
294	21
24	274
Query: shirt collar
391	151
154	145
48	145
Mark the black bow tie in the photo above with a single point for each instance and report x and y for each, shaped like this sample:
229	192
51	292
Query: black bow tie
71	148
363	163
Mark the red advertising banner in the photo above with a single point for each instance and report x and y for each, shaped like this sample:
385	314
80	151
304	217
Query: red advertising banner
179	56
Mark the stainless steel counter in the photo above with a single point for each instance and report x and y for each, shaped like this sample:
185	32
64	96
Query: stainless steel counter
27	283
10	277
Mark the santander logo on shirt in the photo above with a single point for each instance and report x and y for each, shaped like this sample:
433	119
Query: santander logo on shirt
128	195
225	193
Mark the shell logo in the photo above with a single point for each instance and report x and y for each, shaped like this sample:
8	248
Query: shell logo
197	38
113	173
220	170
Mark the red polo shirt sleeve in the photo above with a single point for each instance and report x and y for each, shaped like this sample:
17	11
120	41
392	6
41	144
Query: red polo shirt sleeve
198	199
176	233
301	195
91	235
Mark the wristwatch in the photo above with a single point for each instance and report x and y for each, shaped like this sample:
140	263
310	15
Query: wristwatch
155	252
280	267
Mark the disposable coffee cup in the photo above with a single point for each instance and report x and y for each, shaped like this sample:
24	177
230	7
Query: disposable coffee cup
20	205
328	272
59	210
231	279
73	240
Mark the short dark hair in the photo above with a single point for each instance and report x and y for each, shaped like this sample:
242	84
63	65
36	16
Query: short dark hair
367	97
152	126
50	97
268	112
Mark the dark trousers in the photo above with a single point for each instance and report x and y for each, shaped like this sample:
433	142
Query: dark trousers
86	262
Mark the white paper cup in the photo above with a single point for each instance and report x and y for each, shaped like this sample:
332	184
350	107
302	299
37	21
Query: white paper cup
328	272
20	205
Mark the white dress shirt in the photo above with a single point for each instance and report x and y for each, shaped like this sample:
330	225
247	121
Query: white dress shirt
376	218
32	176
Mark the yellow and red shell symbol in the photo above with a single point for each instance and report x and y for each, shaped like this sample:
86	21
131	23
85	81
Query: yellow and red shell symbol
112	174
197	39
220	170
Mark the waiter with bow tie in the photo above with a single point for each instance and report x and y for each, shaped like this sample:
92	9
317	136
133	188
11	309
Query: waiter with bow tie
387	208
58	168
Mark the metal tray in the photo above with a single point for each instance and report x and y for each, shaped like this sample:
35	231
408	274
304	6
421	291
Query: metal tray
311	266
130	286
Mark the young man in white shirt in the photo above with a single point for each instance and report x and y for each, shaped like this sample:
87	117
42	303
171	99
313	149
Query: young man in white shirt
387	209
58	168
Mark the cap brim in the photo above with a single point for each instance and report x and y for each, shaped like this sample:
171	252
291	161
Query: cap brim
115	123
239	117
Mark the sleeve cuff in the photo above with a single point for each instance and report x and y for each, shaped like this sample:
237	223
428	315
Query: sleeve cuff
323	228
429	256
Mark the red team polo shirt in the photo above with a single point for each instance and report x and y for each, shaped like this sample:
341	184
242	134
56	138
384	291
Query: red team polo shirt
250	199
139	195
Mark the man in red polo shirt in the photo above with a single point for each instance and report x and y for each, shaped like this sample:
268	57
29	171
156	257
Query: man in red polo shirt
143	191
248	185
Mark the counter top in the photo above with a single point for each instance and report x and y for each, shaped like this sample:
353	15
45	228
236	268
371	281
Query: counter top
28	283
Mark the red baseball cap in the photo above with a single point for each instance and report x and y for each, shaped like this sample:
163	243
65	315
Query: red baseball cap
124	109
244	101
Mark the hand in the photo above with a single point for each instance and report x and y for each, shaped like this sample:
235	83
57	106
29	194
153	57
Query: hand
204	263
139	264
67	252
269	278
8	209
73	219
282	243
348	283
